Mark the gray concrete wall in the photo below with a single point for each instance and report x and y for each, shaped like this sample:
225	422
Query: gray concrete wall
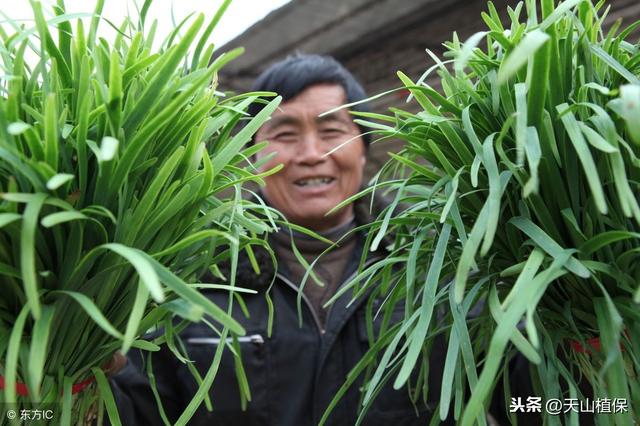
372	38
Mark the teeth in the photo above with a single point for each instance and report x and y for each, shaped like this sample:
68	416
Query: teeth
314	181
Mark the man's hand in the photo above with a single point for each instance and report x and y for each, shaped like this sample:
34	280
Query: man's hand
114	365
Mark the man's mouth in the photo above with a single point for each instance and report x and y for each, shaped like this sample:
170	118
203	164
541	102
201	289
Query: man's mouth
314	181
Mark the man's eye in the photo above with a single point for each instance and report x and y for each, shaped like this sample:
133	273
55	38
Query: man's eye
332	133
285	136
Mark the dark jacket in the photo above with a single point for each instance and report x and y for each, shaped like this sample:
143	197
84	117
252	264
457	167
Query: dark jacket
292	376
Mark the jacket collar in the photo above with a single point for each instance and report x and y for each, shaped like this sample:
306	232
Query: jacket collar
365	212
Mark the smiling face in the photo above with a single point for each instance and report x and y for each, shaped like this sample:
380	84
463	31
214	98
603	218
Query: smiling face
311	182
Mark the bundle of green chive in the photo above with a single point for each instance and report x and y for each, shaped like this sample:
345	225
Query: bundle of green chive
120	175
516	218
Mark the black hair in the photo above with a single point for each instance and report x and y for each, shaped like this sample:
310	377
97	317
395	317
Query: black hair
292	75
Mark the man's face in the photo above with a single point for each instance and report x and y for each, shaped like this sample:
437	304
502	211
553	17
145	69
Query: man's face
311	183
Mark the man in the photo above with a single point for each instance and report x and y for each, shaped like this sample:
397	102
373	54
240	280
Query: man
294	374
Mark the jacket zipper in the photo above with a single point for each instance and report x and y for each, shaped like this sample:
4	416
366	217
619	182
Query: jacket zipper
367	263
306	301
254	338
349	278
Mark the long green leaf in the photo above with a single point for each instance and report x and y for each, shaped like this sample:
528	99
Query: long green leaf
524	52
28	252
187	292
146	270
582	150
418	335
39	348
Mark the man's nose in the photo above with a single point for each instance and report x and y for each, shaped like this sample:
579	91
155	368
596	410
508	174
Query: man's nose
311	149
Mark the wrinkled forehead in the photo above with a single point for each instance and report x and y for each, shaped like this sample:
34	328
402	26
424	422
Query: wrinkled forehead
298	119
312	105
